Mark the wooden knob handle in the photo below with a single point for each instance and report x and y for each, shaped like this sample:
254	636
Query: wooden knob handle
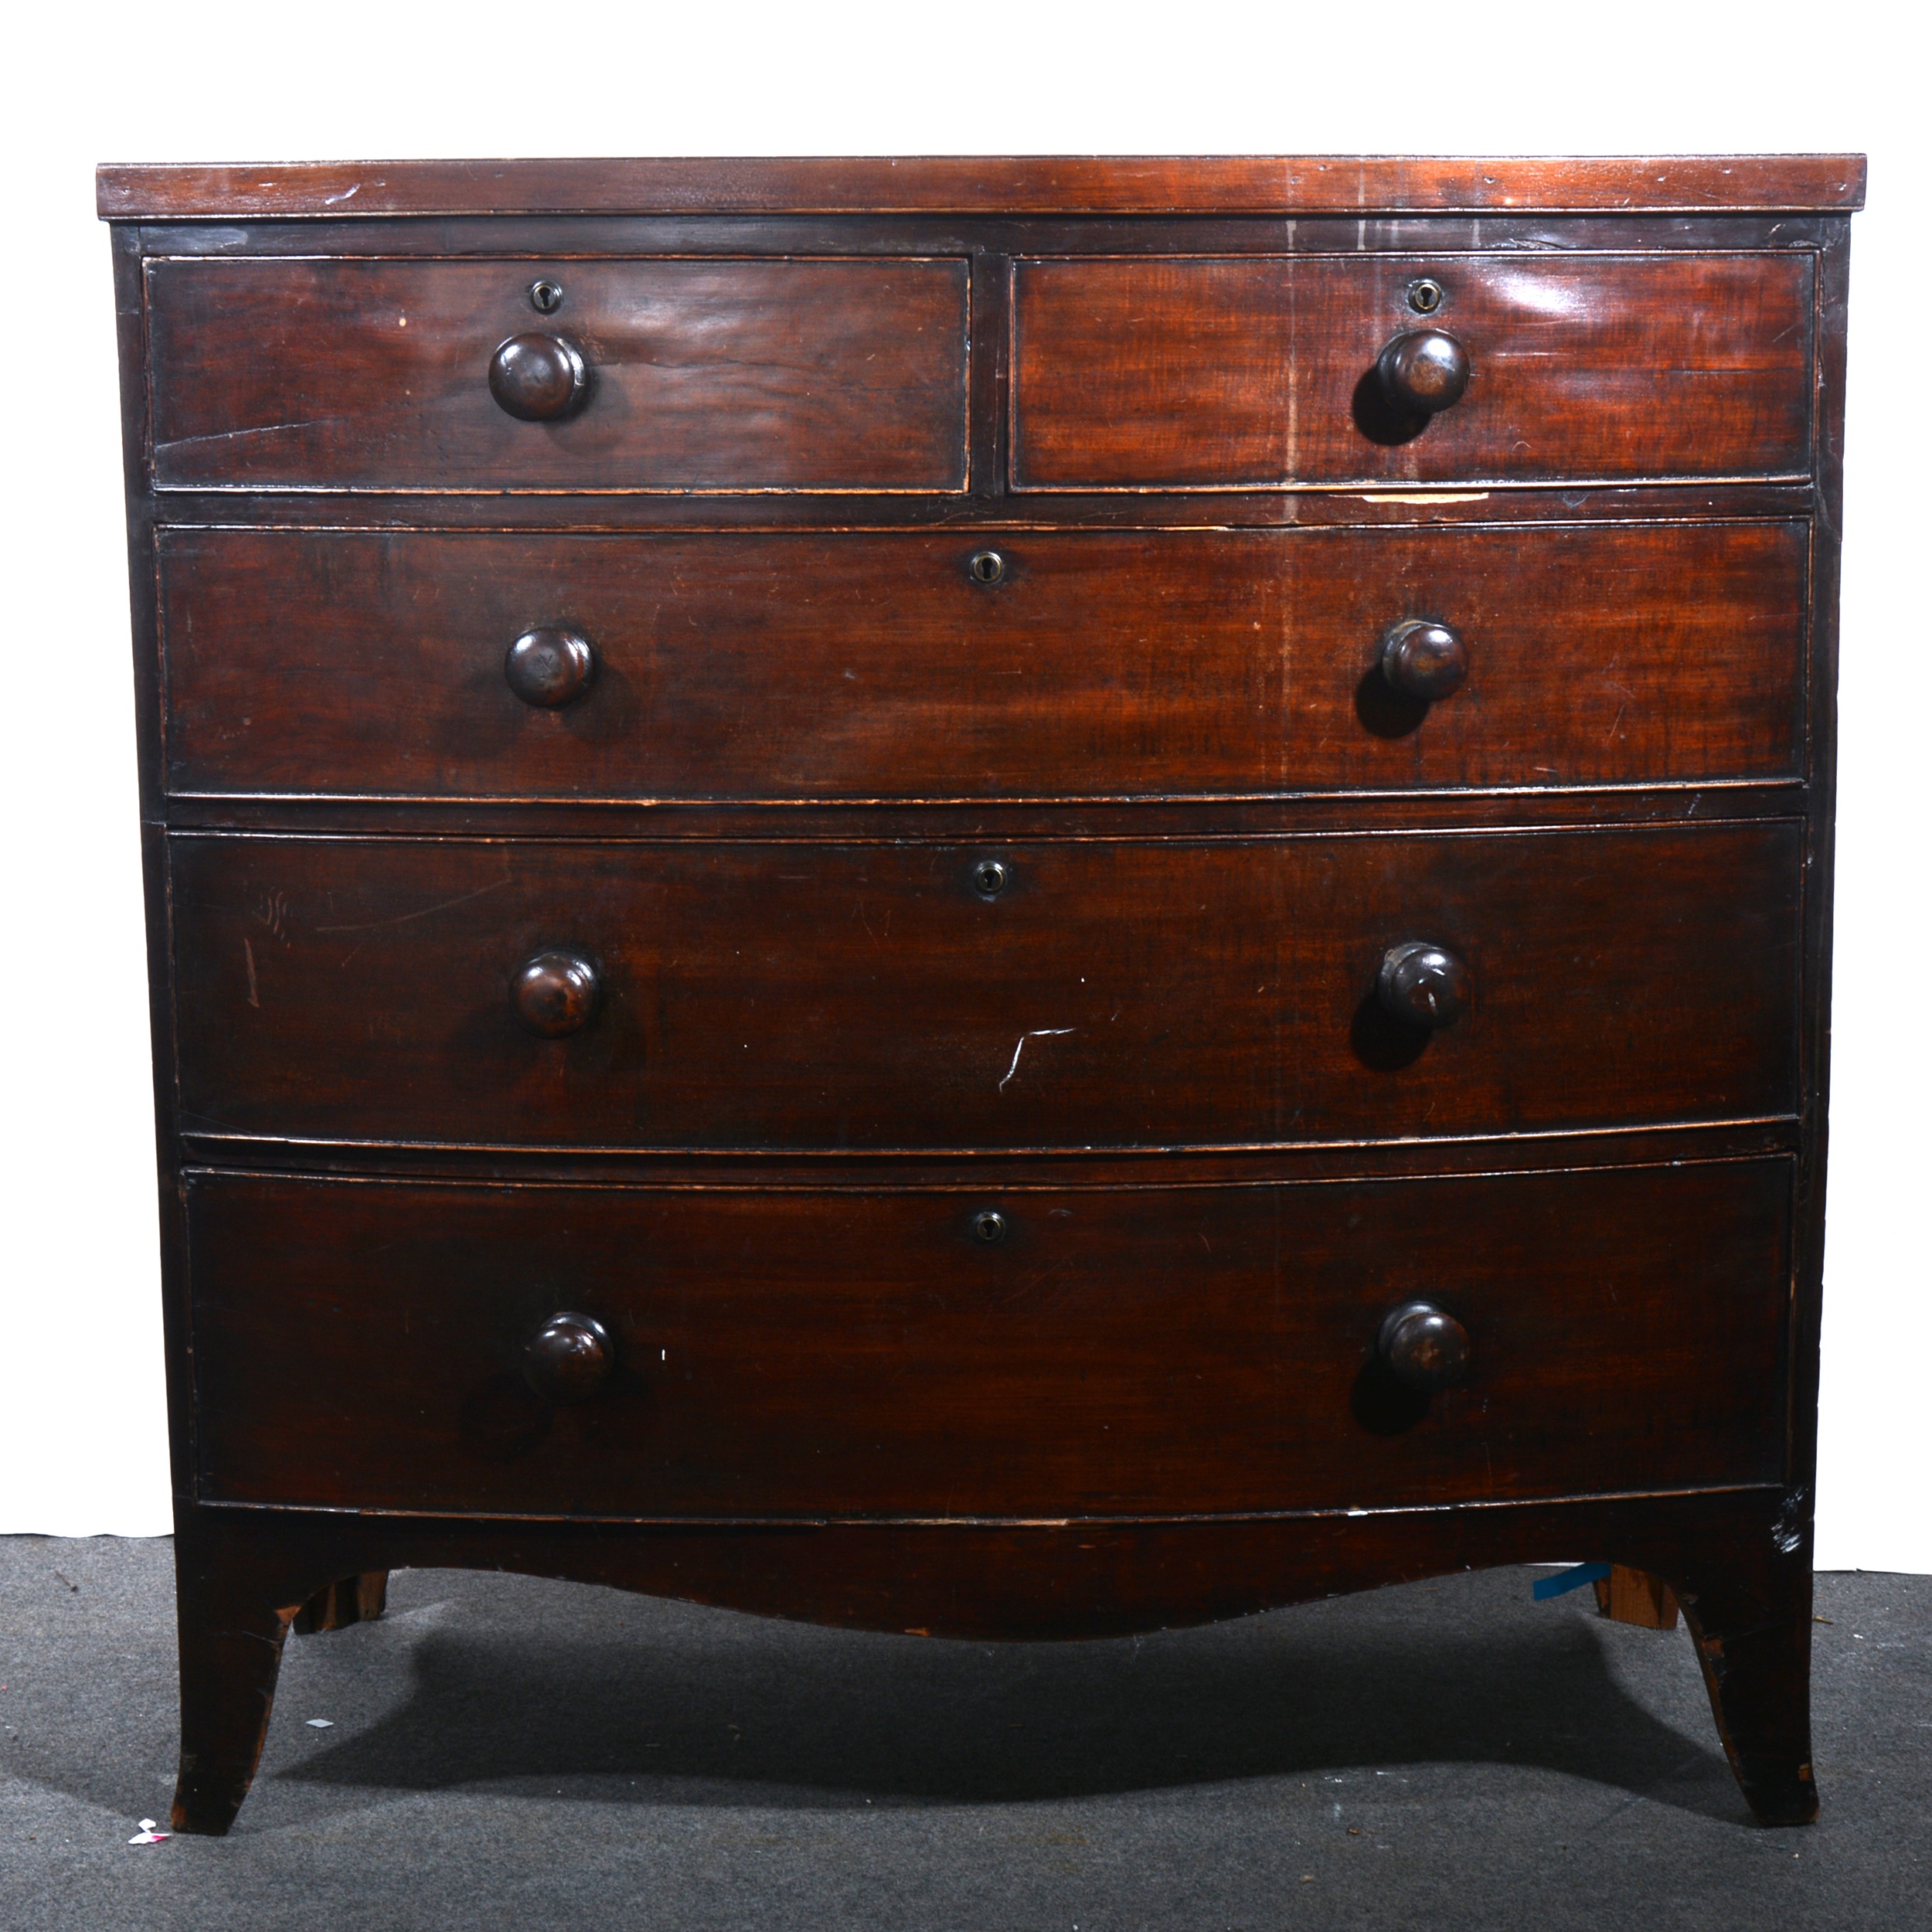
1425	370
538	377
1424	1348
550	668
555	993
569	1358
1424	983
1424	660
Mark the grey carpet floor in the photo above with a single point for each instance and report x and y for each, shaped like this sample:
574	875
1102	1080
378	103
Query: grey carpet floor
505	1752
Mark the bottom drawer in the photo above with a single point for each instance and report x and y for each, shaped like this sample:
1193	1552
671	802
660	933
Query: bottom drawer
878	1352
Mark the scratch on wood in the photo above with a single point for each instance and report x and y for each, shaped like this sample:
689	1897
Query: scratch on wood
1039	1032
403	919
248	954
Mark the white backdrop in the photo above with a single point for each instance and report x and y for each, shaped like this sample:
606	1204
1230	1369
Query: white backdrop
82	1448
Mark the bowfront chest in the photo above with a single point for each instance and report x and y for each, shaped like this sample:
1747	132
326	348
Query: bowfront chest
994	898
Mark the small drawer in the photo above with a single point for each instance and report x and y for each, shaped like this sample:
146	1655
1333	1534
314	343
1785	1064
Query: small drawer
726	375
1039	993
849	1353
1264	372
778	667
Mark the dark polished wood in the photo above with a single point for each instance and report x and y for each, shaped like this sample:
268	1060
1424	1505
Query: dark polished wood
997	823
538	377
314	374
1102	994
1247	372
1424	1348
988	513
1749	1611
550	667
1424	661
881	891
1351	185
555	993
845	1353
231	1634
1424	370
568	1360
873	665
1424	984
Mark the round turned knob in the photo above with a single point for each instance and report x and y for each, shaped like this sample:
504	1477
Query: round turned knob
1425	370
1424	983
568	1358
549	667
1424	660
1423	1347
537	378
554	993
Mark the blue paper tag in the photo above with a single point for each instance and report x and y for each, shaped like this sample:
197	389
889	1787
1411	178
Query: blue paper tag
1546	1587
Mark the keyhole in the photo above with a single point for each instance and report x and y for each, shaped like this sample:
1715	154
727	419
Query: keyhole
546	296
989	1225
1425	296
989	878
988	566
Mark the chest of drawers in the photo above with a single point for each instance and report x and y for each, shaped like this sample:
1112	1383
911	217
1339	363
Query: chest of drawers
988	898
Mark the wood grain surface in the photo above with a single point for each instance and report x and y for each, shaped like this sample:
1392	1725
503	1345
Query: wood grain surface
1074	184
852	666
1244	373
843	1354
1114	993
720	375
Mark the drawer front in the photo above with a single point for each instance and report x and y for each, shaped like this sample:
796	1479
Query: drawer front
1110	993
1258	372
856	1353
771	666
720	375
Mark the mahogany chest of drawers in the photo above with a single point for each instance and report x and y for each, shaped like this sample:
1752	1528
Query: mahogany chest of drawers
990	898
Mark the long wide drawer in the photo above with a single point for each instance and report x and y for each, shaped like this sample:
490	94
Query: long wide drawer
1242	373
823	666
1102	993
837	1353
696	375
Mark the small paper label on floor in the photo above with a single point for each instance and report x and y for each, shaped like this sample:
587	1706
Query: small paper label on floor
1546	1587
